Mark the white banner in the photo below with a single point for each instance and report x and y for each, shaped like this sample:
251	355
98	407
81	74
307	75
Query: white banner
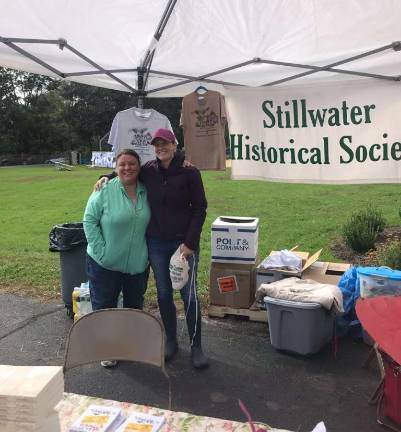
325	133
103	159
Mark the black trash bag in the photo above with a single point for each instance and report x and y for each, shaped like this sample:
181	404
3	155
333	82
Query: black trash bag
65	237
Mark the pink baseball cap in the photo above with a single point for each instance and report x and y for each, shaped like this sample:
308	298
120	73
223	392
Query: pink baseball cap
164	134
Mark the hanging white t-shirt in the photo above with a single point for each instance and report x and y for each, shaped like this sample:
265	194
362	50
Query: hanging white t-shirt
133	129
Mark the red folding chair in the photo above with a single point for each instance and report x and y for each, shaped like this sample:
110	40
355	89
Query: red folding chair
381	318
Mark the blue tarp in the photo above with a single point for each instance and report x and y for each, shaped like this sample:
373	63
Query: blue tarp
349	286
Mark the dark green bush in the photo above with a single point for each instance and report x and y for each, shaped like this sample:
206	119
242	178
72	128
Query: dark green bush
361	231
390	255
358	236
374	218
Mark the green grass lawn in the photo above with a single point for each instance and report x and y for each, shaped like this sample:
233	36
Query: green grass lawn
33	199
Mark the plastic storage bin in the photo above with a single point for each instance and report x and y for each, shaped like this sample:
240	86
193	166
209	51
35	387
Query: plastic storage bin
302	328
376	281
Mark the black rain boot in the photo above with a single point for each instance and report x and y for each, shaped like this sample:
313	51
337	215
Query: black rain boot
169	318
170	349
194	323
199	360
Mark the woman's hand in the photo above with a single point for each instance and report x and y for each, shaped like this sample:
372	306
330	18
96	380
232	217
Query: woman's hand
100	183
186	251
187	164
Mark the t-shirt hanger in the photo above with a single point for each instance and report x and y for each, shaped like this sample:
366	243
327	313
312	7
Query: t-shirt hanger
200	91
144	113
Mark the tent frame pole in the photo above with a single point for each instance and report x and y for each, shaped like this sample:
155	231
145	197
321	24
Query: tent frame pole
141	93
202	77
113	71
10	43
191	78
62	43
156	72
145	69
95	65
396	46
158	33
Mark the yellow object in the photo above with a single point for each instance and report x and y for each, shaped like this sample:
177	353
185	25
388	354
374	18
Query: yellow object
138	427
95	420
75	300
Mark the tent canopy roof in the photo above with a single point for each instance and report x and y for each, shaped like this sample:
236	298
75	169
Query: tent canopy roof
238	42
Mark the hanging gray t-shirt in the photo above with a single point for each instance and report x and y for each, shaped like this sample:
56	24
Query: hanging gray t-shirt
133	129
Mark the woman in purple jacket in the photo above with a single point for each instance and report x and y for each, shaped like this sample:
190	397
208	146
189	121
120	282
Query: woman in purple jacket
178	210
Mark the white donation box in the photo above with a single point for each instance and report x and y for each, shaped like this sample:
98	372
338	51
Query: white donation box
235	239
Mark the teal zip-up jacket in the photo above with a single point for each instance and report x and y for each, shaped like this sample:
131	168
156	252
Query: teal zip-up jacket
115	228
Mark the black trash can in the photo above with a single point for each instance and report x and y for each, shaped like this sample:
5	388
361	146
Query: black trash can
69	239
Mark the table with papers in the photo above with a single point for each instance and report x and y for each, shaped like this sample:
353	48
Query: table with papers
73	405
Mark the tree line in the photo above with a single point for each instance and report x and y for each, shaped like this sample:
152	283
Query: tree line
41	117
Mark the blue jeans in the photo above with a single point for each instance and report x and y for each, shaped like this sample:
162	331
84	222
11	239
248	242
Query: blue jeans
105	286
160	253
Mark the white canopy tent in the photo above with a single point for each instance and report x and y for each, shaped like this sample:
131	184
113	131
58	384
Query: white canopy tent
326	59
161	47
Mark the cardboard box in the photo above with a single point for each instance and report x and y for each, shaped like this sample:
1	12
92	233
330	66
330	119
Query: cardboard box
326	272
232	285
235	239
266	276
271	275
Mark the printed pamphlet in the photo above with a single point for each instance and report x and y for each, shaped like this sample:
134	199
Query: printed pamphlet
140	422
98	418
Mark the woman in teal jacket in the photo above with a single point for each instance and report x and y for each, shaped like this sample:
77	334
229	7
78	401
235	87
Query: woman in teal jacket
115	222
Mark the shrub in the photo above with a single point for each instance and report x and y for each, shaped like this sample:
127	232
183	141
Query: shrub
358	236
390	255
374	218
361	231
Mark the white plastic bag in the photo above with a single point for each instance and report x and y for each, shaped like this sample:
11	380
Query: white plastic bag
283	259
320	427
179	270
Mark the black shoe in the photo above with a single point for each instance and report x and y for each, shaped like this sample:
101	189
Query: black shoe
170	349
199	360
